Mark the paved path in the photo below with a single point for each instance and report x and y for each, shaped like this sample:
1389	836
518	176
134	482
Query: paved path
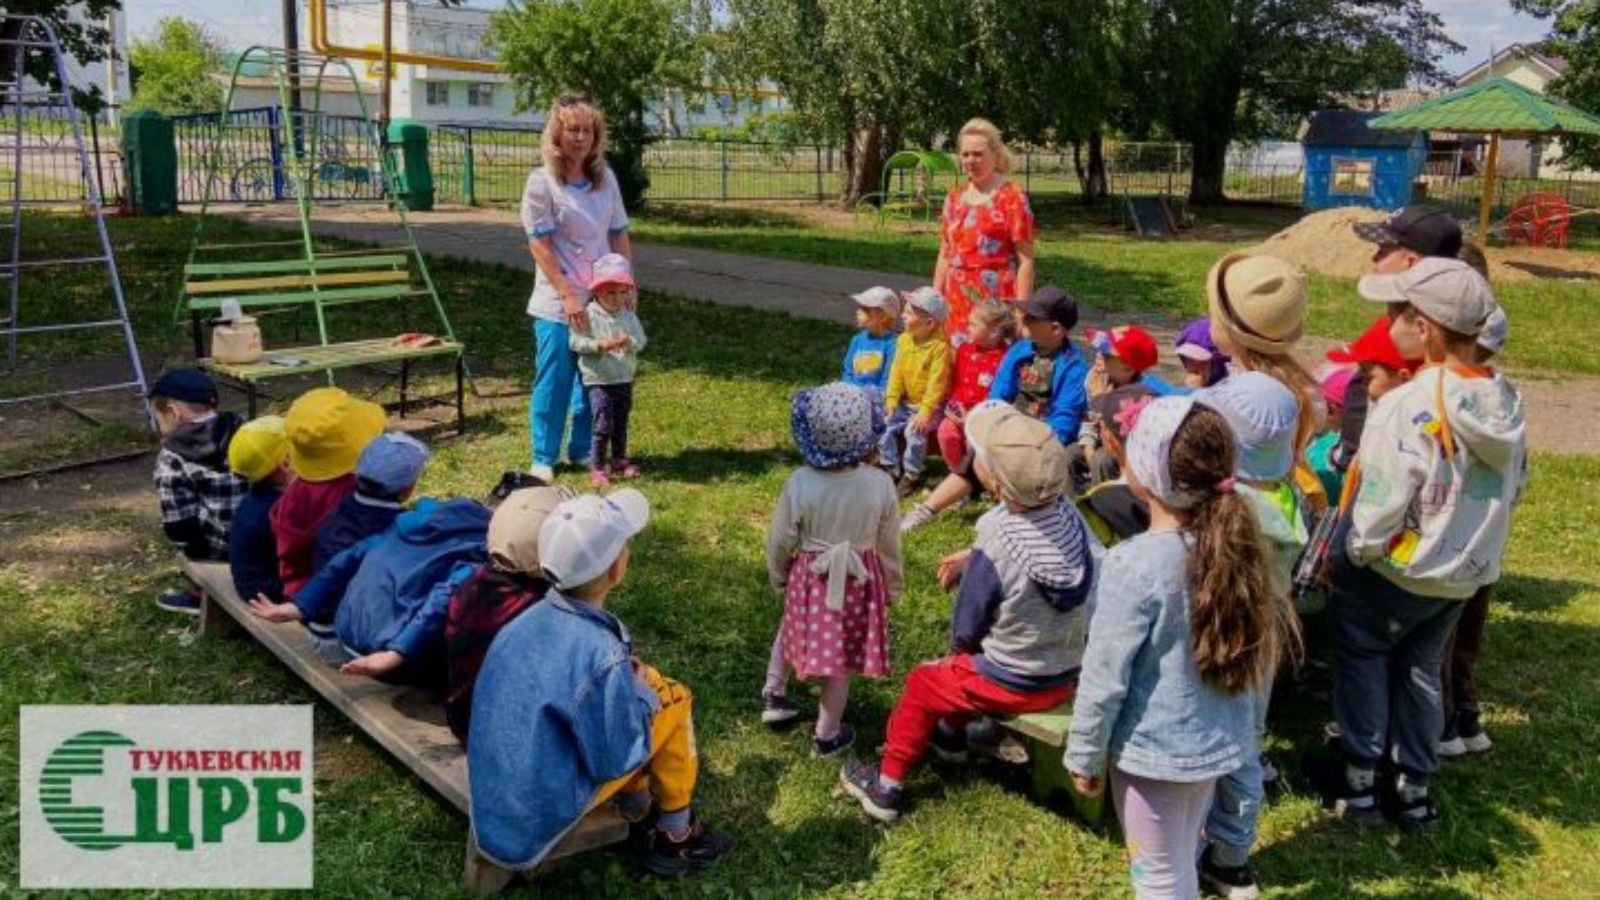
1560	411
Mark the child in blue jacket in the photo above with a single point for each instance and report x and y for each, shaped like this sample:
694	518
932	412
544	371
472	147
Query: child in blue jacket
871	352
388	594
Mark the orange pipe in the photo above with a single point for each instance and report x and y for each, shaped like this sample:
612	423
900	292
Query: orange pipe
320	43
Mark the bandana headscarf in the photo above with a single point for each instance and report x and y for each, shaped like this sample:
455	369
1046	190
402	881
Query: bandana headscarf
1150	448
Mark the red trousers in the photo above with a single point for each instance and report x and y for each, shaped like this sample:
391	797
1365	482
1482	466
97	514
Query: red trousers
951	690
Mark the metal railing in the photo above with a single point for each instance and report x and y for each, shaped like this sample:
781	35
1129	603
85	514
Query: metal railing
242	157
52	170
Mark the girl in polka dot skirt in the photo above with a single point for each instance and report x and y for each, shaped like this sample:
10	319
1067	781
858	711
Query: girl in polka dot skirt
833	552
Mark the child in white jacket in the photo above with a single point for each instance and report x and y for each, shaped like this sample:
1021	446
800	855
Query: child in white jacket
1443	459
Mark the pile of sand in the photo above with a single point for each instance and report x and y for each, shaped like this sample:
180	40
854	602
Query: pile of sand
1324	242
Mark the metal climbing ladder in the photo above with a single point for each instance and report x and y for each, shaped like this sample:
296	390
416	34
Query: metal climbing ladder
33	117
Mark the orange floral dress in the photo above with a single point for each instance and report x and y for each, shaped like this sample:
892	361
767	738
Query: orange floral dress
980	248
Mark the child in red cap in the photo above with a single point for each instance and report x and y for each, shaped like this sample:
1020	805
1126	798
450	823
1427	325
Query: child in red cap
1122	356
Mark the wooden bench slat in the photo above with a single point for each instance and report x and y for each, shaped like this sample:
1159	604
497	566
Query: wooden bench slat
323	263
405	721
336	295
321	357
238	285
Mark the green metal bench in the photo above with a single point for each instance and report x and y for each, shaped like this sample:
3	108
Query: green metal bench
319	284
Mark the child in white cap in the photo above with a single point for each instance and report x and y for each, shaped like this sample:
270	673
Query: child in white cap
871	352
833	553
919	384
608	362
1186	630
565	717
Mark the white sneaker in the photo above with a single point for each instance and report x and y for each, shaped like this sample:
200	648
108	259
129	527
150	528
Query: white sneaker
1454	748
545	474
1477	743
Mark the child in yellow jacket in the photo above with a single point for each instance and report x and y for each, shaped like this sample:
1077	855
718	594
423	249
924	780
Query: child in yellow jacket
919	384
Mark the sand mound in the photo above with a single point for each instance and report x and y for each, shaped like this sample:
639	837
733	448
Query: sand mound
1324	242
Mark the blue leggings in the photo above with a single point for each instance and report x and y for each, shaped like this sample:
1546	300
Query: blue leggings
557	393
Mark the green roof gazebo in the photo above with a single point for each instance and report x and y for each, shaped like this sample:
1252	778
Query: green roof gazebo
1495	107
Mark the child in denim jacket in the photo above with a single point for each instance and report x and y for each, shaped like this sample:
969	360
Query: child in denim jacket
1186	626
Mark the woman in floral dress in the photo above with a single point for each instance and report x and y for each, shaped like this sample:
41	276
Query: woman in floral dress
986	232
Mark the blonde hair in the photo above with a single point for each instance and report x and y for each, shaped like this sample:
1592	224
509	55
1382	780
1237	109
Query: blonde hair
555	127
991	135
997	315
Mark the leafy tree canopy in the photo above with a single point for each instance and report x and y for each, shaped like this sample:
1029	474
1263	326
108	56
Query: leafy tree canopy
174	71
81	29
1574	36
626	54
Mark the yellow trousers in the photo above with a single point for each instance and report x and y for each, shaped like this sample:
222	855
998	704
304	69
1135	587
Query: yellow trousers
674	764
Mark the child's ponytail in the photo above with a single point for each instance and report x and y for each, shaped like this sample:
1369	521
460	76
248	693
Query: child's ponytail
1241	629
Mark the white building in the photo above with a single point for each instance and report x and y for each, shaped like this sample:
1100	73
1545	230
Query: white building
434	95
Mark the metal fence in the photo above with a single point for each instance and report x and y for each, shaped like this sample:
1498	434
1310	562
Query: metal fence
51	171
242	156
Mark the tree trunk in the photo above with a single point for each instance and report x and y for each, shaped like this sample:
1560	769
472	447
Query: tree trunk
864	158
1094	188
10	32
1210	165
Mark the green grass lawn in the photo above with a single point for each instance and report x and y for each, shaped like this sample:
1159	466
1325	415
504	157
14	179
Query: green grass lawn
711	429
1558	322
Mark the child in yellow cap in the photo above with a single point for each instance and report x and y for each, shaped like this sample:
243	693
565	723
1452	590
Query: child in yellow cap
259	454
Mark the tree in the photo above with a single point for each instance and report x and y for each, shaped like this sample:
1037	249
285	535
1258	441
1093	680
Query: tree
1053	70
1240	69
874	72
1575	37
175	71
78	26
625	54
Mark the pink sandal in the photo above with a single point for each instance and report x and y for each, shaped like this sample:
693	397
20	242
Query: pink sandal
599	478
625	468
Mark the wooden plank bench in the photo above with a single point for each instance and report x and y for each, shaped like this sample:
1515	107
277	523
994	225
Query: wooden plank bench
320	284
405	721
1045	735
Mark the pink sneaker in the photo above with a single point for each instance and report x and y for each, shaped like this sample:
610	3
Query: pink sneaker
625	468
599	478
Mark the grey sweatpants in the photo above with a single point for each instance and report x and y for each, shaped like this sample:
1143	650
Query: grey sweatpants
1390	647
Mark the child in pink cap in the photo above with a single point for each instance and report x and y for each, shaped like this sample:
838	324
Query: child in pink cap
608	361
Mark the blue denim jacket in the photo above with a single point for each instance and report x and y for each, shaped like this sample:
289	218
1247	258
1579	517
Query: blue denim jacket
556	713
1141	700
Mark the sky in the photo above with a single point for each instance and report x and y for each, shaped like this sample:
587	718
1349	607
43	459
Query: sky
1477	24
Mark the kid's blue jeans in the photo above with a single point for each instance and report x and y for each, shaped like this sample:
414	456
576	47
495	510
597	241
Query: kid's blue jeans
916	443
557	393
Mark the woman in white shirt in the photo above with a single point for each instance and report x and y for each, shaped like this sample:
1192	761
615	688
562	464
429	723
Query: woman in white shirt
572	212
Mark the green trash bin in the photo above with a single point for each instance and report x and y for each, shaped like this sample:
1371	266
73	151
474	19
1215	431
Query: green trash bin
150	160
408	144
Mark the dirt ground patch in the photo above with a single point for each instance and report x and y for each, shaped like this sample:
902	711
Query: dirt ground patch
103	515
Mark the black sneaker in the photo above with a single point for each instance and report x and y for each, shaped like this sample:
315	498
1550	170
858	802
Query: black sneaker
778	709
1344	801
860	780
1416	814
702	847
834	746
184	603
1228	882
949	746
908	485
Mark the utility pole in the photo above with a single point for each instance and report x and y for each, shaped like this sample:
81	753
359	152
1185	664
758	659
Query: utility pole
113	59
291	49
387	79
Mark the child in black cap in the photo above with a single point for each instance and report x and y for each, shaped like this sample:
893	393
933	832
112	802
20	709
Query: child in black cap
197	489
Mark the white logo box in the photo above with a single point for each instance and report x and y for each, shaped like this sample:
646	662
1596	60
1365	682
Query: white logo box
166	797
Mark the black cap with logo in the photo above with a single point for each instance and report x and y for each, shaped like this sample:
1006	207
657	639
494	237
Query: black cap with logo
1424	230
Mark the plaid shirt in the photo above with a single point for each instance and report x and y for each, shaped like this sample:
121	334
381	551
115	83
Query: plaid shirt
191	491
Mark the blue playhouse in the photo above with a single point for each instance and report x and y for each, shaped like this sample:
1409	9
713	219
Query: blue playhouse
1349	164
